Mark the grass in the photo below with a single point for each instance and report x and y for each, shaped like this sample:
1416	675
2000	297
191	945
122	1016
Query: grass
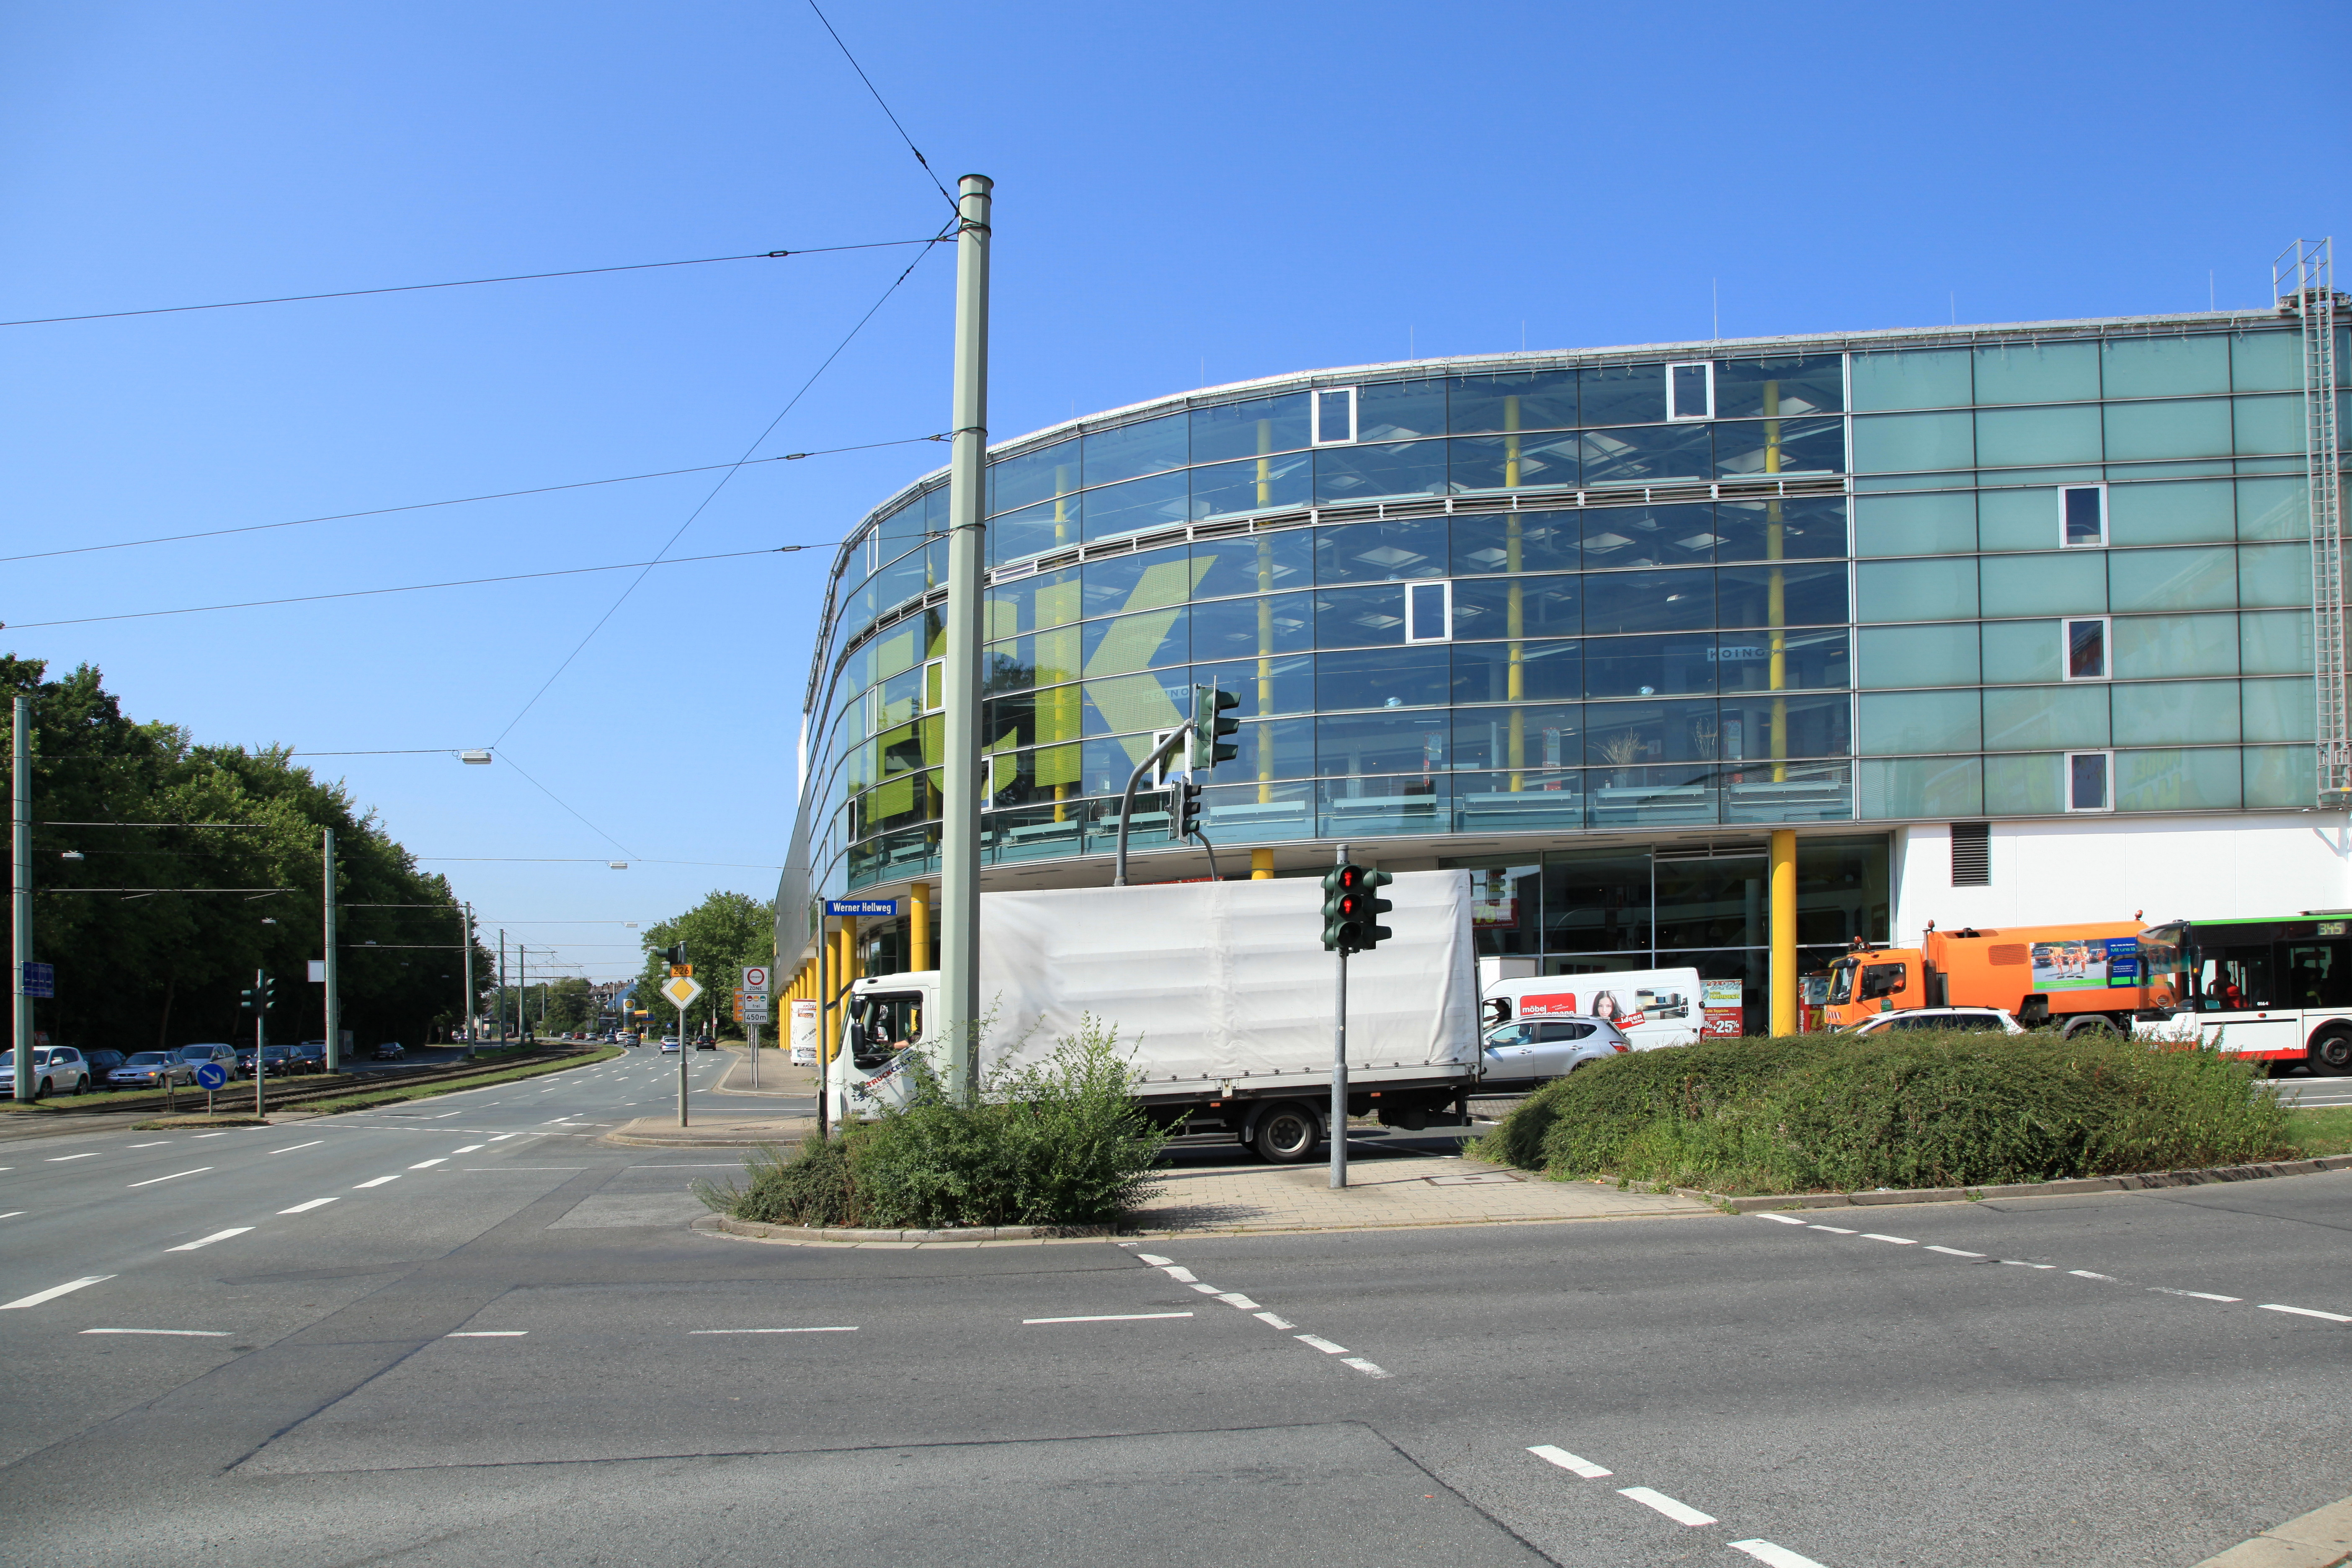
2319	1132
370	1098
1835	1113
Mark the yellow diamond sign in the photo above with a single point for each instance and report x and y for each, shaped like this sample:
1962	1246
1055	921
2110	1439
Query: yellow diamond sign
681	990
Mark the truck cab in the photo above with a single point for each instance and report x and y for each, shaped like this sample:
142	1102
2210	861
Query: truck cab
2082	978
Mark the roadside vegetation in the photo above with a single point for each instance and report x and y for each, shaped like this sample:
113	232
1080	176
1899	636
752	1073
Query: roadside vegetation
1056	1142
1835	1113
2321	1132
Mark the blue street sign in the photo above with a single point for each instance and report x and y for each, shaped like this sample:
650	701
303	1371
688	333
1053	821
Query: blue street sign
870	907
40	979
210	1075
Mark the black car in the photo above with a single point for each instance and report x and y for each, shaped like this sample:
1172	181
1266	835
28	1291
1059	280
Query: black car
390	1051
102	1063
312	1054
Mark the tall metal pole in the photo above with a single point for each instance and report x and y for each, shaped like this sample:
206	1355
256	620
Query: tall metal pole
1340	1064
966	558
823	1056
469	980
500	1011
21	892
334	984
522	993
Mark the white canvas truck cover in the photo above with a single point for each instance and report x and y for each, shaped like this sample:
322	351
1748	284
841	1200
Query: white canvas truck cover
1209	982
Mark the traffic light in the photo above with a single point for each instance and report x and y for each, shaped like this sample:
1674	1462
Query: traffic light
674	956
1350	911
1185	809
1207	744
260	996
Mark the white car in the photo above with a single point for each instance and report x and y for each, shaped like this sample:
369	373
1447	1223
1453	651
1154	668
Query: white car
55	1068
1993	1020
1535	1051
669	1046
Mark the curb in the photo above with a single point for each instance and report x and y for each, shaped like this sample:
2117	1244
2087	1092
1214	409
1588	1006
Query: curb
963	1235
2141	1181
2320	1538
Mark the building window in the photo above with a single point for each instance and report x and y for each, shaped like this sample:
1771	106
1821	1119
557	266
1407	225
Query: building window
1429	612
1335	415
2083	516
2086	780
1972	855
935	685
2085	653
1690	390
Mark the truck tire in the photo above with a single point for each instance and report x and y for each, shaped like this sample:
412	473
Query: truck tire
2090	1023
2332	1053
1285	1134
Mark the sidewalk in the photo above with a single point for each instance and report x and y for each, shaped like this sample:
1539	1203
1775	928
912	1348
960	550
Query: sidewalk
1385	1192
788	1115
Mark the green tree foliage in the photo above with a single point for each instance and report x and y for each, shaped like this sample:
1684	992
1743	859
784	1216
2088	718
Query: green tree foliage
143	970
724	934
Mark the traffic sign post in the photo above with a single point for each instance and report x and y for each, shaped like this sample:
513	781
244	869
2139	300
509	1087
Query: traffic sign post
209	1078
679	991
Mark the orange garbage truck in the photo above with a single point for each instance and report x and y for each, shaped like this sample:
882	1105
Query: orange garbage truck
2079	978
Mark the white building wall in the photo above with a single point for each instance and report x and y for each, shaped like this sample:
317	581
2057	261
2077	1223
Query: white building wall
2109	868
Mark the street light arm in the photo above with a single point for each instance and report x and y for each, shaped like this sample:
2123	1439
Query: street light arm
1158	754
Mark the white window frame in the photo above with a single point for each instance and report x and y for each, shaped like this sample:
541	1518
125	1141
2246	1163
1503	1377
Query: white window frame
2063	491
2066	783
924	697
2066	624
1675	416
1316	436
988	780
1444	633
1176	765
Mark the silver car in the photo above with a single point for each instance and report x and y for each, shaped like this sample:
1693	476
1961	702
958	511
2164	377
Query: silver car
222	1056
1989	1020
56	1070
151	1069
1535	1051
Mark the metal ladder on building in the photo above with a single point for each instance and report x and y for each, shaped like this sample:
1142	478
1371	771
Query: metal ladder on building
2303	278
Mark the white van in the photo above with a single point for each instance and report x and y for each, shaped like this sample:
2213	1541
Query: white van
1652	1008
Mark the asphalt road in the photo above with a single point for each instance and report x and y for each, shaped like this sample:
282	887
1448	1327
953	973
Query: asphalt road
465	1331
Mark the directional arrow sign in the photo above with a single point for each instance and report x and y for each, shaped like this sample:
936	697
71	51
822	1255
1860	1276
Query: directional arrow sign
681	990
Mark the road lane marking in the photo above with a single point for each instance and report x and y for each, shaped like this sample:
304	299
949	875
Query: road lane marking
1205	1290
1832	1229
1680	1512
178	1333
1773	1556
1108	1318
1360	1364
12	1214
2194	1295
1325	1346
208	1240
2301	1312
60	1159
487	1334
157	1144
2021	1263
2086	1274
1235	1298
305	1208
838	1329
313	1144
1155	1259
1952	1251
428	1164
1275	1319
1182	1276
175	1176
467	1150
377	1183
445	1115
212	1134
1784	1218
1567	1461
1898	1240
53	1292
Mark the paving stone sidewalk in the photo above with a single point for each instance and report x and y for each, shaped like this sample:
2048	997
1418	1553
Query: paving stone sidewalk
1383	1192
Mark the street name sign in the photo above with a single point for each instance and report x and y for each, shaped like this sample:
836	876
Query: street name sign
681	990
872	909
40	979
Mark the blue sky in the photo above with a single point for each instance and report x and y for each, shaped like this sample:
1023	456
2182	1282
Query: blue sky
1187	195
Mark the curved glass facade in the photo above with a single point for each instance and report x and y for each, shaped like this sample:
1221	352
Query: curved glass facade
1677	596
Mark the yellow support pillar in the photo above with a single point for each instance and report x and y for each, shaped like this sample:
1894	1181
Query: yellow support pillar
919	927
1260	865
1784	931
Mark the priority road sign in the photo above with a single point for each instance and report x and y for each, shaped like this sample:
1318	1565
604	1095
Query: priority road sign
755	980
681	990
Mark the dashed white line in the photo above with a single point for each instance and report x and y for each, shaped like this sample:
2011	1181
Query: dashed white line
157	1144
1108	1318
1325	1346
838	1329
1235	1298
2021	1263
1898	1240
1360	1364
1952	1251
2193	1295
1773	1556
2086	1274
1275	1319
208	1240
1782	1218
377	1183
176	1334
1205	1290
175	1176
1155	1259
1567	1461
2301	1312
12	1214
428	1164
313	1144
52	1293
305	1208
487	1334
1832	1229
1680	1512
212	1134
1181	1276
467	1150
62	1159
504	1136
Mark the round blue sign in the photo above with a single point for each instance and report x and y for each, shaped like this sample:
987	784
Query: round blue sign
210	1075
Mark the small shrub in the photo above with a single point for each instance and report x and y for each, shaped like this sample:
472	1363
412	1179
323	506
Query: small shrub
813	1187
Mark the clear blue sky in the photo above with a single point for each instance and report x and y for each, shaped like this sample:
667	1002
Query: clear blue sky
1186	194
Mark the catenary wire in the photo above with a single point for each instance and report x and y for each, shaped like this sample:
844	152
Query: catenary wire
463	501
876	91
462	282
568	806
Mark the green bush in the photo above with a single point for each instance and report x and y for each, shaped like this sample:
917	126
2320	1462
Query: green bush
1056	1142
1841	1113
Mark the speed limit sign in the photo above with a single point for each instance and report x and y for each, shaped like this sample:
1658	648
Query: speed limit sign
755	980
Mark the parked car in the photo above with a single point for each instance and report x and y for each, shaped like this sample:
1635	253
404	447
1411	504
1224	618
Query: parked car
1991	1019
285	1061
390	1051
313	1054
56	1069
1535	1051
196	1057
151	1069
101	1063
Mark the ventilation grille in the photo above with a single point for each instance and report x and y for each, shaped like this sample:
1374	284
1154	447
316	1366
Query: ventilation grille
1971	855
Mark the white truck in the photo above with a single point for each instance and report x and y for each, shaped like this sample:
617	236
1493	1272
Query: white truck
1222	992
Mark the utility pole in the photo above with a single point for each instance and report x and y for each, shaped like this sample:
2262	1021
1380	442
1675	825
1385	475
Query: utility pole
470	998
334	992
522	993
21	893
967	559
501	1011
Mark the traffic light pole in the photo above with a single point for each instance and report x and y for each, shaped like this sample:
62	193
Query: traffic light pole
1158	754
334	999
21	896
260	1038
1340	1064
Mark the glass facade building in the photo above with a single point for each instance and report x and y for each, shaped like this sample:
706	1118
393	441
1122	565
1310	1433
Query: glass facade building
1593	624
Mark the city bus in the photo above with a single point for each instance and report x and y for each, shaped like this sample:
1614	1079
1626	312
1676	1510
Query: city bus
2276	989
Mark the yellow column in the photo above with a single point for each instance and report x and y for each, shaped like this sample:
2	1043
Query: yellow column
1783	959
1260	865
919	927
1777	602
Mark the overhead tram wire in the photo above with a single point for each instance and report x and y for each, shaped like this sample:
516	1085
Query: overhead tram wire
464	500
952	205
463	282
568	806
838	349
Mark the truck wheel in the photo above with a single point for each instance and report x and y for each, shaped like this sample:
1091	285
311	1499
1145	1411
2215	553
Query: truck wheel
1285	1135
2090	1023
2332	1053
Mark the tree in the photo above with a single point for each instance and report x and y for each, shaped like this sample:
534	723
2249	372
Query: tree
724	934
